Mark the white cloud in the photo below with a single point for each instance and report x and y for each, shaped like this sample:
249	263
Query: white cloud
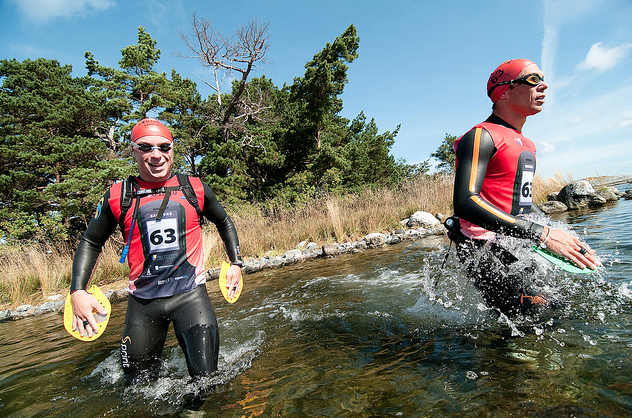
586	116
584	134
626	119
602	58
43	11
545	147
604	158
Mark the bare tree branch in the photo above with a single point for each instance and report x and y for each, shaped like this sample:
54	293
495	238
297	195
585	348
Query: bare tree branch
240	54
107	135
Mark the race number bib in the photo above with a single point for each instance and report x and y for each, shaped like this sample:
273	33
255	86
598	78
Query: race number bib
522	198
163	235
525	188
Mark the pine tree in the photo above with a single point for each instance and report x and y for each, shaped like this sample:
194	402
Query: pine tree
53	162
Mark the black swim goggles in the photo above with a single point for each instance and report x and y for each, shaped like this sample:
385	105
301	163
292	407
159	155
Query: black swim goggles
530	80
149	148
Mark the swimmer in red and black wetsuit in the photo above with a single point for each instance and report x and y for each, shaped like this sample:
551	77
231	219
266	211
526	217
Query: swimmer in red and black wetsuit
166	260
492	189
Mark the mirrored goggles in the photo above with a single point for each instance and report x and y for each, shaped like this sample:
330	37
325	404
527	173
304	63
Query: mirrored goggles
530	80
148	148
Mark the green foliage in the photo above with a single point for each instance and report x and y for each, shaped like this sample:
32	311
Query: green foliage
328	152
445	154
24	227
63	140
135	88
48	121
405	171
368	155
315	95
243	155
186	114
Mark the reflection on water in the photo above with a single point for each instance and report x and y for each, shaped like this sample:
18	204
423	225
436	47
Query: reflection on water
362	335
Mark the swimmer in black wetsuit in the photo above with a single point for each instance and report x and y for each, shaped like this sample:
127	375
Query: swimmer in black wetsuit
492	189
166	260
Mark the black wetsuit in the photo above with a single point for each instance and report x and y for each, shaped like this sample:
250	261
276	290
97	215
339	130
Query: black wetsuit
492	189
167	277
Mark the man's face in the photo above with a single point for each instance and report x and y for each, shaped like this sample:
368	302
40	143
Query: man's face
525	99
154	165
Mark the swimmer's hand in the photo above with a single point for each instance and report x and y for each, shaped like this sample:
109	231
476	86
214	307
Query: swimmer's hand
83	306
233	281
566	245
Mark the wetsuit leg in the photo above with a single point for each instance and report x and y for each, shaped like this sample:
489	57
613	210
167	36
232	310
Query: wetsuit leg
143	339
488	266
196	328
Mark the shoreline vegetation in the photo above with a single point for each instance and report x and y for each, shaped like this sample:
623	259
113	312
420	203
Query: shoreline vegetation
30	274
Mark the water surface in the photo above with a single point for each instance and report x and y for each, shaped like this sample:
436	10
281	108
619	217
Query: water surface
363	335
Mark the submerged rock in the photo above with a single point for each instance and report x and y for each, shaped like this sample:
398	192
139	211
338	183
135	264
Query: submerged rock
553	207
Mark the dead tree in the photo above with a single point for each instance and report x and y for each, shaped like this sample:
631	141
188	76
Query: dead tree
241	53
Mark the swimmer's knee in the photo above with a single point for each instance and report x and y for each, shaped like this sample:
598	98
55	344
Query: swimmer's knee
201	348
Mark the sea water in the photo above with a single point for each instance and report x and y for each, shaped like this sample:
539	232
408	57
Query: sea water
385	332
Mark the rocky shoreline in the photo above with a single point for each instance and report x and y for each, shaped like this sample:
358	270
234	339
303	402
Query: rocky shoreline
581	194
418	226
575	195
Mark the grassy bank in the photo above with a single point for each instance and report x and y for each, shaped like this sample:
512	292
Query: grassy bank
29	274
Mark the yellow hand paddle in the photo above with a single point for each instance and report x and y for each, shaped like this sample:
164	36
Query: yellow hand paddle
102	320
222	284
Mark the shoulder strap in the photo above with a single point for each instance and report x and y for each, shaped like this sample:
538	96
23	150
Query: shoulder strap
127	196
189	193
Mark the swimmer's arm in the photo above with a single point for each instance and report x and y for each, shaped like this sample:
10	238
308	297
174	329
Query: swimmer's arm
99	230
474	151
215	213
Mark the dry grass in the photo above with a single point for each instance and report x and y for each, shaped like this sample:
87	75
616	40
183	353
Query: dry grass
543	187
32	273
28	271
338	218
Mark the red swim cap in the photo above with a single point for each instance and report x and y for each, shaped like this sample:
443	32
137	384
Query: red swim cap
506	71
150	127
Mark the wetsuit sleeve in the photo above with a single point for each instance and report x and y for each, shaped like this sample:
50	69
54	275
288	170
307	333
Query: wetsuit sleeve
99	230
215	213
473	153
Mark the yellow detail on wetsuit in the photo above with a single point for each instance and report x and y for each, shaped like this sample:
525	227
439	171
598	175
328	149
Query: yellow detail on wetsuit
475	154
480	202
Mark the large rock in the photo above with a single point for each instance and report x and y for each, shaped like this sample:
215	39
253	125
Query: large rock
331	249
580	194
423	219
611	194
553	207
375	240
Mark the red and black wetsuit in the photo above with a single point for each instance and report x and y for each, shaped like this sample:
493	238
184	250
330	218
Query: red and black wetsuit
492	188
167	275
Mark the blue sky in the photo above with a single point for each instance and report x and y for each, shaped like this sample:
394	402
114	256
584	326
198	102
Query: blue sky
422	64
